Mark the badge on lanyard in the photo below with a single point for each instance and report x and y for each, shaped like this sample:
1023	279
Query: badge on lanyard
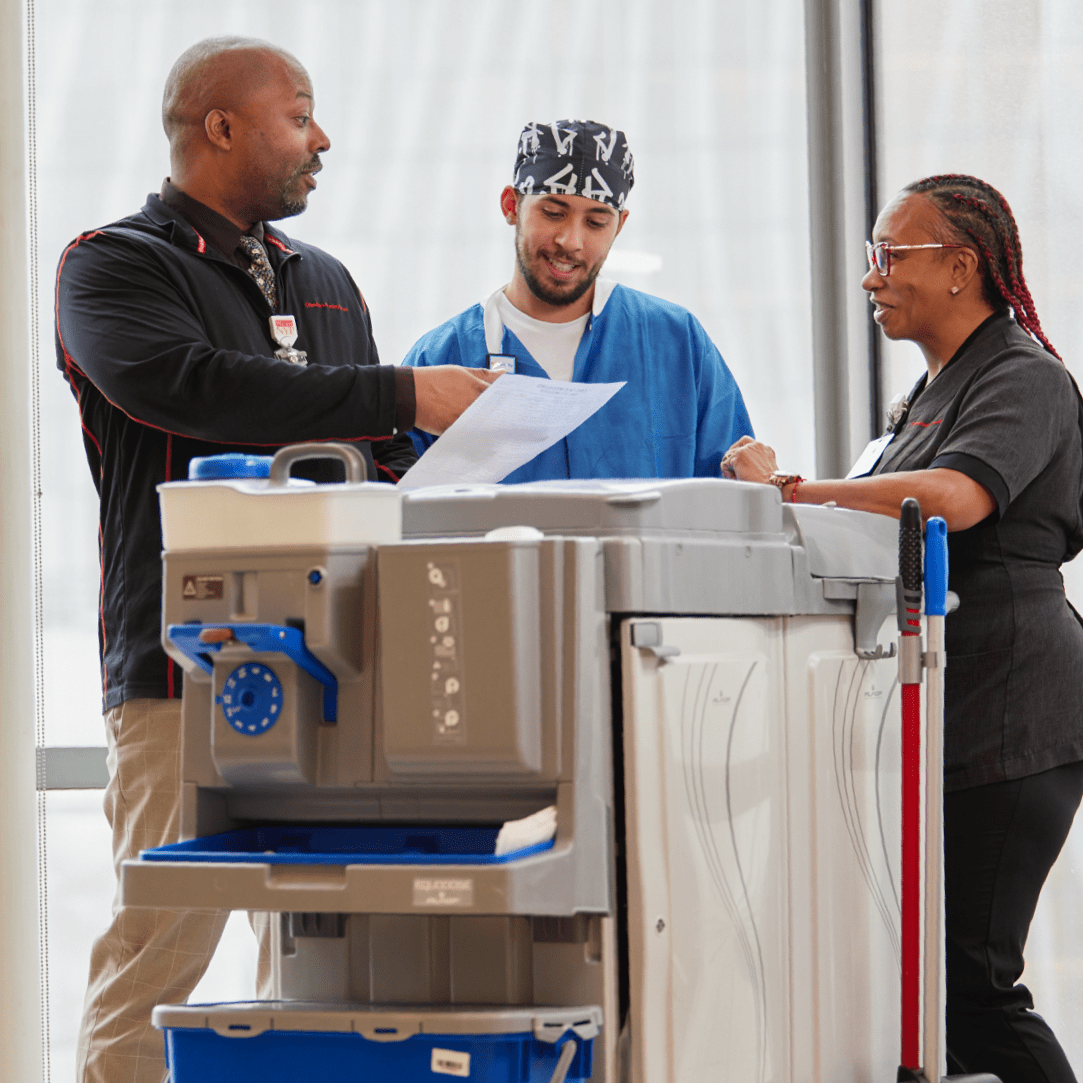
501	362
284	332
870	456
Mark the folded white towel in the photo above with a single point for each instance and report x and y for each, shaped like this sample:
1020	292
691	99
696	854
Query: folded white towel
529	831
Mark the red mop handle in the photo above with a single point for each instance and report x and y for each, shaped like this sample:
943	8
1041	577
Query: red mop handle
908	588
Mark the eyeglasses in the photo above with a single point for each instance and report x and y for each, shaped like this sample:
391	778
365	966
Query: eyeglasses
880	254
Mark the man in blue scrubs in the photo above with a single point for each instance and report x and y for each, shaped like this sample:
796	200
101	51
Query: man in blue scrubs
680	410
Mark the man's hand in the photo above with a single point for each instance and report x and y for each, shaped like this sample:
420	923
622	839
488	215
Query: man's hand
749	460
444	391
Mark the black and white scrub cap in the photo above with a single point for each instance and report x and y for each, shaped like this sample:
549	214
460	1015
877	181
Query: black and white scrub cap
575	158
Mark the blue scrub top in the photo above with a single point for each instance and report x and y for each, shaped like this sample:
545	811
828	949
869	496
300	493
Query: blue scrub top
679	412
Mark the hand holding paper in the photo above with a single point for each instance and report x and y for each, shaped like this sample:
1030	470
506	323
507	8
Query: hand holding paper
443	392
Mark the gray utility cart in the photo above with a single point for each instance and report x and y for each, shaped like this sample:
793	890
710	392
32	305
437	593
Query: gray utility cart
689	671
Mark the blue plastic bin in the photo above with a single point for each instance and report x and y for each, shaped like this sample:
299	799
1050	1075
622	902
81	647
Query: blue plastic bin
221	1051
335	845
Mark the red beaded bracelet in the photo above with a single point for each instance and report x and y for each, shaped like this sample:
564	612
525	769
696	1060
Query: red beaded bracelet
780	481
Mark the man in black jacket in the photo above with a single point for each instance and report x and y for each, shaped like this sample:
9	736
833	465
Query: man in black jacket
165	334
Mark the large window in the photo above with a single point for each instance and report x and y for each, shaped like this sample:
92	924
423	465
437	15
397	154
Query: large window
423	101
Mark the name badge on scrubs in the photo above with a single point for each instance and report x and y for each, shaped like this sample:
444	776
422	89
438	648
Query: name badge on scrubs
501	362
284	332
870	456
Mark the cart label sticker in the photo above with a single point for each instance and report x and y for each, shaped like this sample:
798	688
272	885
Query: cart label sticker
442	892
445	653
450	1062
202	588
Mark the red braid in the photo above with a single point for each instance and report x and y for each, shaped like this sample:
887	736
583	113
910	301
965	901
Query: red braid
977	210
1015	292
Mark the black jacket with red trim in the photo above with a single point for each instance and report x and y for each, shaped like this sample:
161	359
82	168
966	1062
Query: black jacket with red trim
168	350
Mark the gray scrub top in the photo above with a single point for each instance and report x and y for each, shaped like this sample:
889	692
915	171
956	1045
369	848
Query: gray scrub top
1006	413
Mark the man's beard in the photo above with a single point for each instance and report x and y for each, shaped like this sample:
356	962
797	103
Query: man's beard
291	208
290	205
542	292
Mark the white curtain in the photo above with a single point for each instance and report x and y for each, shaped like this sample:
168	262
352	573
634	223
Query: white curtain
992	88
423	101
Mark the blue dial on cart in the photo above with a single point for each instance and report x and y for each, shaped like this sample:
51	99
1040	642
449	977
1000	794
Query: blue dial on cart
251	699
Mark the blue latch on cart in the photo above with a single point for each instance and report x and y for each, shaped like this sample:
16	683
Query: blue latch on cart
261	639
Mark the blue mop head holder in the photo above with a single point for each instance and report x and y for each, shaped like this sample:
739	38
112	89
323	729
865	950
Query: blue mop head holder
936	567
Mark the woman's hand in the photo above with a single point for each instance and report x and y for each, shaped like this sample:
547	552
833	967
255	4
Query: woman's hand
749	460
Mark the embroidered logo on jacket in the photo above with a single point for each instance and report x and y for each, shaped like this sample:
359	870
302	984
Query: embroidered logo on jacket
323	304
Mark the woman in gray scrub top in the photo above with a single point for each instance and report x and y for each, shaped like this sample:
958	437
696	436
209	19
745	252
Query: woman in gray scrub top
990	439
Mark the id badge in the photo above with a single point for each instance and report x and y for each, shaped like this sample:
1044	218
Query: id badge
868	459
284	332
501	362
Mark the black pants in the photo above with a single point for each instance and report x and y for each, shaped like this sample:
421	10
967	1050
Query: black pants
1000	841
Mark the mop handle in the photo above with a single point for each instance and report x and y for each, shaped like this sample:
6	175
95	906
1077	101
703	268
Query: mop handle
908	592
936	607
908	584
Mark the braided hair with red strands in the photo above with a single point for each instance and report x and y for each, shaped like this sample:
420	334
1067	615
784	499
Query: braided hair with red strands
978	214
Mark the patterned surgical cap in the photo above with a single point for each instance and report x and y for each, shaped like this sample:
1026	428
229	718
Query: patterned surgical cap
575	158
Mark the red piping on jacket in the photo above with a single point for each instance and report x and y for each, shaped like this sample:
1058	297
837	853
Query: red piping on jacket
278	244
101	610
68	363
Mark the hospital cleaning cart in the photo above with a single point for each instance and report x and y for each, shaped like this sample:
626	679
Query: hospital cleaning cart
551	782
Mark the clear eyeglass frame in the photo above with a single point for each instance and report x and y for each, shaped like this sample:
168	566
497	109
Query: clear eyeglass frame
879	255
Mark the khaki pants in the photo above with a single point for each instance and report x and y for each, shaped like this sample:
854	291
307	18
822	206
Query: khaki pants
145	957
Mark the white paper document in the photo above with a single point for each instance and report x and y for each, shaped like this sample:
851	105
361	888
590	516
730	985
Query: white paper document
514	419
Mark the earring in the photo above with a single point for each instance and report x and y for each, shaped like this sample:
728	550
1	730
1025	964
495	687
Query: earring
954	289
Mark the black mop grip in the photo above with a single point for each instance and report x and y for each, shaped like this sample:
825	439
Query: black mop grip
909	563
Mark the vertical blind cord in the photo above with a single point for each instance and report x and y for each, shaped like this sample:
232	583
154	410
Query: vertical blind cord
35	453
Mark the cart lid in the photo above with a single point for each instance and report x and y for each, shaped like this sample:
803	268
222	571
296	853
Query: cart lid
380	1023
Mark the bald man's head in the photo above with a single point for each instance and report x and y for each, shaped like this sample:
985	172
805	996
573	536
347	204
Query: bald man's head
242	137
216	73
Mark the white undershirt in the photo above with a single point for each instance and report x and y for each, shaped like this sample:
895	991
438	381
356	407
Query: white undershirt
552	345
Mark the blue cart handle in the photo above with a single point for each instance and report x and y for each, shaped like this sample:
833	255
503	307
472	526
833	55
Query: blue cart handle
262	639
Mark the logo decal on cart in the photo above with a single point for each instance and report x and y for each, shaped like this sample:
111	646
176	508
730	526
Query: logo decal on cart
445	651
442	892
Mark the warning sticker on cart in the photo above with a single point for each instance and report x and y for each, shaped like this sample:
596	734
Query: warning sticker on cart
450	1062
199	588
440	892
